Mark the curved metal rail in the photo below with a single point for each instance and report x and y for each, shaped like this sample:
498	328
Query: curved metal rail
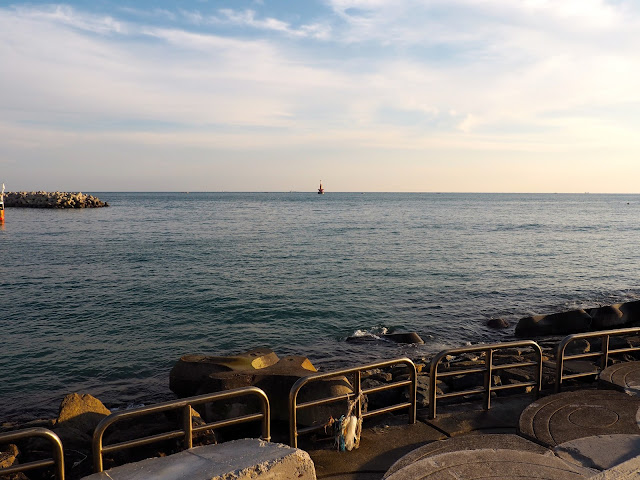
604	352
57	460
187	430
294	432
487	370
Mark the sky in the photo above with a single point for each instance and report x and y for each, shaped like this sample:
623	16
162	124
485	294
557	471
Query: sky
365	95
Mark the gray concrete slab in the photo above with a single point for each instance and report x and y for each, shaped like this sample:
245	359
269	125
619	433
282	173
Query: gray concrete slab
379	448
491	463
463	418
624	377
629	470
566	416
467	442
239	459
601	451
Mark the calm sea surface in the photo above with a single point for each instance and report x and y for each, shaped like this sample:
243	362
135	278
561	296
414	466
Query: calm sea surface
104	301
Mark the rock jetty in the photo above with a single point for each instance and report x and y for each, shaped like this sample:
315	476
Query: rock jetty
52	200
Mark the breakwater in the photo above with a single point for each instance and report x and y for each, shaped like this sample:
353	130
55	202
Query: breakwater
52	200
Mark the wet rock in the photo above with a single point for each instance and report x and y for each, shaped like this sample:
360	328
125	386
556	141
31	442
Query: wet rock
404	337
498	323
400	337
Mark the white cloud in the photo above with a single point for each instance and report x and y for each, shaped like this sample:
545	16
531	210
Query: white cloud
476	76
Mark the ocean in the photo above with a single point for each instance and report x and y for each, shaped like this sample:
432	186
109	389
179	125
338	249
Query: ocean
105	301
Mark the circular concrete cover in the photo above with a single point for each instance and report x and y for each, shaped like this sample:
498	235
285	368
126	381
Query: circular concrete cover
566	416
494	464
622	376
466	442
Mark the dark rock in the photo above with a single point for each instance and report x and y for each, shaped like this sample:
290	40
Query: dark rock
578	346
381	399
498	323
400	337
404	337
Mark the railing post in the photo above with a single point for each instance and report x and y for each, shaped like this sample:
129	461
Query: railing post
433	374
605	351
266	418
488	361
357	389
538	371
293	412
412	394
188	427
560	364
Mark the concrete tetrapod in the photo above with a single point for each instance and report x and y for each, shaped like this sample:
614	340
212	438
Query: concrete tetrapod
491	463
566	416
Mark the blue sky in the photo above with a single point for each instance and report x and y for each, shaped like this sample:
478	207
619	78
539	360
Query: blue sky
367	95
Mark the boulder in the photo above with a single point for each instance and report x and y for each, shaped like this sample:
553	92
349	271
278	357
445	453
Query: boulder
81	412
606	318
498	323
8	455
8	458
400	337
191	371
403	337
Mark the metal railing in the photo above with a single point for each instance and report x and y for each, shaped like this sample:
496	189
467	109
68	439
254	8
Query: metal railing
188	429
488	369
57	460
294	432
604	352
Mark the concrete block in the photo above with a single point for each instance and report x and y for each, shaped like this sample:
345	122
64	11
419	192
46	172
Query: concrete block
600	451
629	470
238	460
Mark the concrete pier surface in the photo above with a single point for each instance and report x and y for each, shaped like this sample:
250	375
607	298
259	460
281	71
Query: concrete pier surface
466	434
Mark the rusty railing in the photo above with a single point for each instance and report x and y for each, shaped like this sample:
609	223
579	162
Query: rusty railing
57	460
188	429
604	353
487	370
294	406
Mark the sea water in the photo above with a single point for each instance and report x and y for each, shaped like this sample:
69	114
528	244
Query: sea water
105	301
